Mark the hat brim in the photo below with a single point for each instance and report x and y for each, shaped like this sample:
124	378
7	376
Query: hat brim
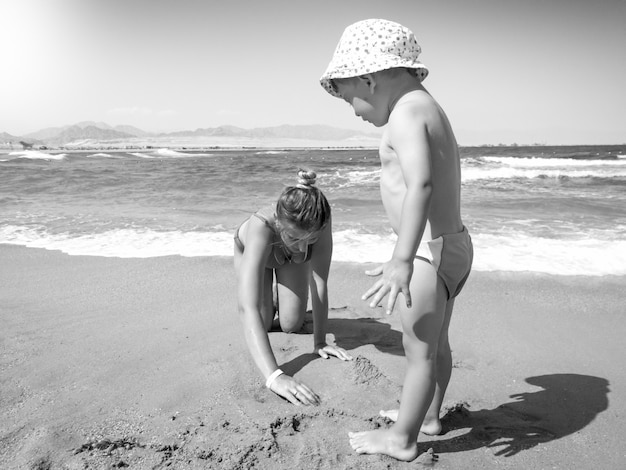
339	69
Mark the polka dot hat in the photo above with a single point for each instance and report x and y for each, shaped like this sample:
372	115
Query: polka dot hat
371	46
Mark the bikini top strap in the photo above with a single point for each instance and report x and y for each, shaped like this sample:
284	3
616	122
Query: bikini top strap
262	215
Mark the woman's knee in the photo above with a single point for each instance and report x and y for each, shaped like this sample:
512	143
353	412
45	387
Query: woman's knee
291	323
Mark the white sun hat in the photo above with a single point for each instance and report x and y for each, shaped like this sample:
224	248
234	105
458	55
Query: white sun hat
370	46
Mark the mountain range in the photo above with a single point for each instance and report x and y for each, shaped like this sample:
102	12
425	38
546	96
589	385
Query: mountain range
98	134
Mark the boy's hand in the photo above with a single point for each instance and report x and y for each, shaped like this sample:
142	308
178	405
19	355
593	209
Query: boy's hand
396	276
295	392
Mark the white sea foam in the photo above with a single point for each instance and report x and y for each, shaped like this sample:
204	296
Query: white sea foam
552	162
271	152
165	152
141	155
585	256
481	173
168	153
37	155
509	167
123	243
352	246
352	177
103	155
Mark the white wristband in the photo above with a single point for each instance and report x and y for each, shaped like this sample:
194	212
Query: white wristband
272	377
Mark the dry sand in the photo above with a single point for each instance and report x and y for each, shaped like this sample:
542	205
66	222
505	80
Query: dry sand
141	364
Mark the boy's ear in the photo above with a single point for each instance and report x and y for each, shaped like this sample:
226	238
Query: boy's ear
369	80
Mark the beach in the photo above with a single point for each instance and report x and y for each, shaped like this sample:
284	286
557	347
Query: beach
112	362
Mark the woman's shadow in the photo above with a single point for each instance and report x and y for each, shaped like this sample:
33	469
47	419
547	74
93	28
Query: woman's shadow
567	403
350	333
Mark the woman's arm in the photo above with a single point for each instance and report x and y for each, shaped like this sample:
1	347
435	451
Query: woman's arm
320	268
258	239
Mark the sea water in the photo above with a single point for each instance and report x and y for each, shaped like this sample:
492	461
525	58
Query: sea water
556	210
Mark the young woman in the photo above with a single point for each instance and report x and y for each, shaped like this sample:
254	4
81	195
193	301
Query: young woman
282	253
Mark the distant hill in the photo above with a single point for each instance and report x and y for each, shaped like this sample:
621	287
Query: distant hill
4	137
310	132
81	130
100	134
74	133
12	142
132	130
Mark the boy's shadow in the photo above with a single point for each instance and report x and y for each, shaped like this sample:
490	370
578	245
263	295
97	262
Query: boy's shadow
567	403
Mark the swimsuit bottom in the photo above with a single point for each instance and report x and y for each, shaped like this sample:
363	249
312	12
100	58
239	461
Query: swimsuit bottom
452	256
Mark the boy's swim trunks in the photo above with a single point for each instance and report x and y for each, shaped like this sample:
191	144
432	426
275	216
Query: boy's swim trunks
451	255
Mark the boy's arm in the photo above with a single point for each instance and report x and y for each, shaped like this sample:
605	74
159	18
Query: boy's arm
320	267
408	136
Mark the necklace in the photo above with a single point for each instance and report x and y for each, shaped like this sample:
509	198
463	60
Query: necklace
288	255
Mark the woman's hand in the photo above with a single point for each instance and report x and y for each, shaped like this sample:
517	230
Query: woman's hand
326	350
294	391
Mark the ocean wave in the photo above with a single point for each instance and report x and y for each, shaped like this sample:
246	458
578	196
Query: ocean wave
271	152
492	252
141	155
165	152
36	155
103	155
123	243
168	153
495	167
584	257
533	162
353	177
477	173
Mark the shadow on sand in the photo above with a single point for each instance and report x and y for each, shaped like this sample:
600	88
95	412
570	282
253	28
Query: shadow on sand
350	333
567	403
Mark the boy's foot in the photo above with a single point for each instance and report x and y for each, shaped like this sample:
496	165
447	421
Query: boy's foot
383	441
431	428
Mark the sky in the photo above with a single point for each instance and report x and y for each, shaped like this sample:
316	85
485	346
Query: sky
505	71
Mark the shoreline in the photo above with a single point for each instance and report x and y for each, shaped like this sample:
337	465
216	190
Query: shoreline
141	362
283	147
225	148
97	250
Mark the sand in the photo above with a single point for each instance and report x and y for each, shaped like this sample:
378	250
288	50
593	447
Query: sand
141	364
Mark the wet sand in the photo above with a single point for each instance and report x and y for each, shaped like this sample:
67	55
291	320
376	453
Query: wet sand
141	363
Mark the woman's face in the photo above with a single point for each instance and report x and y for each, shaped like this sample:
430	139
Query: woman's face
296	239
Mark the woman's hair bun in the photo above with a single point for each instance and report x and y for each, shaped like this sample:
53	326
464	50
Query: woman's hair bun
306	177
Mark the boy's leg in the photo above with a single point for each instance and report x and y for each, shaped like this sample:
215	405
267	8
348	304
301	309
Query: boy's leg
421	325
293	294
432	423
